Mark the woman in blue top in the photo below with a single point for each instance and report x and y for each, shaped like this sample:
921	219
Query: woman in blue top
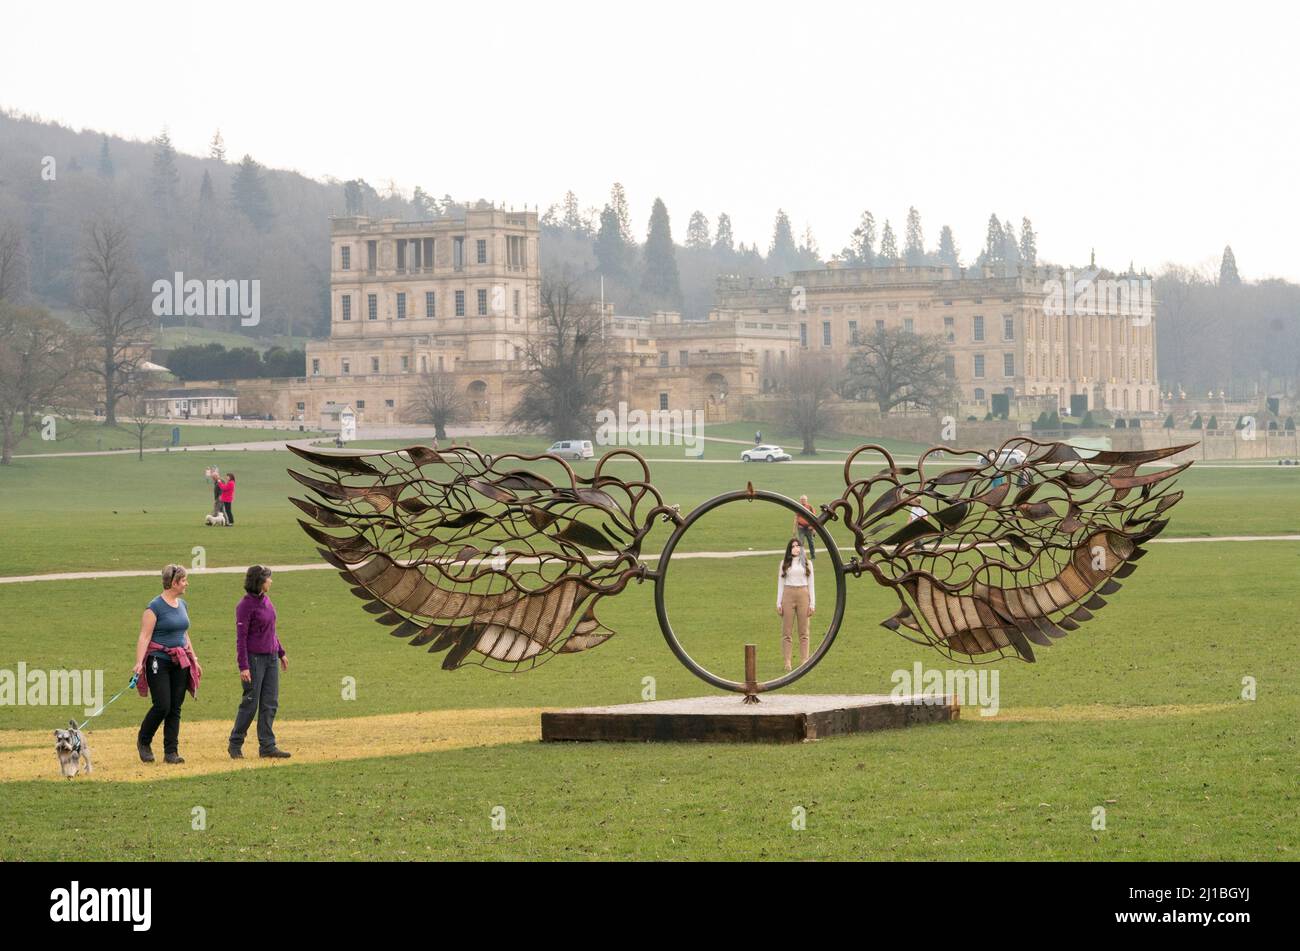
165	624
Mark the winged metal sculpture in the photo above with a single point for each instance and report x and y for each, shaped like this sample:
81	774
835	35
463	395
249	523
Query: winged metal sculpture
502	560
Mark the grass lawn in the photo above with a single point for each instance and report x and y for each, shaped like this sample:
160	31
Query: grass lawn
83	435
1139	711
119	512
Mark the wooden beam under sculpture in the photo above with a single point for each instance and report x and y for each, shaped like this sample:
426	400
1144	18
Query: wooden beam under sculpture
501	561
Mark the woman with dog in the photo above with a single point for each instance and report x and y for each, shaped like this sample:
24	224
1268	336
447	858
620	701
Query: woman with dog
257	651
166	665
796	599
227	494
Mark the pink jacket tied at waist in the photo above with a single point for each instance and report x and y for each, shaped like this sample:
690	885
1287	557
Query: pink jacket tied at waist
179	655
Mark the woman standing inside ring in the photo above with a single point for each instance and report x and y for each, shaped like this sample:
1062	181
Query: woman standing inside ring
796	599
166	664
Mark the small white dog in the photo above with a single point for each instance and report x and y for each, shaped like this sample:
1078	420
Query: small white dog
218	519
70	747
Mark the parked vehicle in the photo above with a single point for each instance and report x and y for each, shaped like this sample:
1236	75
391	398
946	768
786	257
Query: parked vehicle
765	454
572	449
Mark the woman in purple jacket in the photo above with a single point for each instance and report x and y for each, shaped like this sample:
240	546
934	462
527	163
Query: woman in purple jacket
257	650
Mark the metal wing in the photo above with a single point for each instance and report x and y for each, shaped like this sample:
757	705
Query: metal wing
477	556
1007	549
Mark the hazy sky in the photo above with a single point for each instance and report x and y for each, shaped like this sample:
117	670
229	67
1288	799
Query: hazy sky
1151	132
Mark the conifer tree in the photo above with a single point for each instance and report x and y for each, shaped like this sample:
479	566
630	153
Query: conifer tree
1028	243
697	231
888	246
1228	276
948	248
249	195
724	241
661	278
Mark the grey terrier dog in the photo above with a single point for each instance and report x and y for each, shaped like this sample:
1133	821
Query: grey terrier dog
70	747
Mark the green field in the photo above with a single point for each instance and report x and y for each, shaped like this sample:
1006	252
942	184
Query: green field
1139	711
84	435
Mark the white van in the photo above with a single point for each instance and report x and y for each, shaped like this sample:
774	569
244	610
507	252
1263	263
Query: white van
572	449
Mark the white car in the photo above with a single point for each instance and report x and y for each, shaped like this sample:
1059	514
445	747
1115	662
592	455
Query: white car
572	449
765	454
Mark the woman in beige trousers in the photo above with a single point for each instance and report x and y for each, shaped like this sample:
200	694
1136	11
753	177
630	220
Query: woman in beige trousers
796	599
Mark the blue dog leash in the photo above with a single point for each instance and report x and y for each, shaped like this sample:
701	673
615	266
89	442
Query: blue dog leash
135	678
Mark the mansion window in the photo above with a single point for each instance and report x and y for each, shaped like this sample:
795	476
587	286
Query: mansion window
361	404
663	358
406	364
347	366
374	364
950	366
460	303
663	400
458	253
346	301
803	335
372	255
977	328
481	249
684	357
880	325
979	366
1008	328
428	304
401	305
1008	364
482	303
516	303
372	307
346	253
908	325
315	368
516	252
826	333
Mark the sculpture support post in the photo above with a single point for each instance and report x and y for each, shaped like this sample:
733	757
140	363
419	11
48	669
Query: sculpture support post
751	673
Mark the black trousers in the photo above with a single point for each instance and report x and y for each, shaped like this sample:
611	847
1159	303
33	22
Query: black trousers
167	689
230	514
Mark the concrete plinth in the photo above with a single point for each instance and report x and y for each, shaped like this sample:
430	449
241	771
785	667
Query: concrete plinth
777	718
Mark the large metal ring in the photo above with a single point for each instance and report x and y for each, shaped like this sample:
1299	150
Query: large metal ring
661	583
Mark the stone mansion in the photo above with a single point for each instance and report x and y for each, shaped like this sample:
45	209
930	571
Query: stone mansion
462	296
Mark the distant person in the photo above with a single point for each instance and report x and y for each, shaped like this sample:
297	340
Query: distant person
227	489
796	599
758	438
166	665
213	473
803	529
257	652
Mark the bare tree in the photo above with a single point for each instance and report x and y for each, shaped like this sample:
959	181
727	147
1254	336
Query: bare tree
806	388
13	263
140	413
566	378
437	400
895	367
111	299
40	372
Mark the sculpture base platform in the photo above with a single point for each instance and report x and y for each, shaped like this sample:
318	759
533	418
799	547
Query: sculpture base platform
776	718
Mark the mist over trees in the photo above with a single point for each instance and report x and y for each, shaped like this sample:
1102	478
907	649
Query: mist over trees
217	217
